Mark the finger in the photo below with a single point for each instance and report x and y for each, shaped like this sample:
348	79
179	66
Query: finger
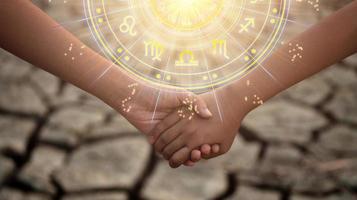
164	125
196	155
200	105
215	152
189	163
206	150
216	148
180	157
169	136
174	146
202	108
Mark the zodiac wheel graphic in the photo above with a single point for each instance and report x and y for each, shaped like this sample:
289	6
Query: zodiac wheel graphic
189	44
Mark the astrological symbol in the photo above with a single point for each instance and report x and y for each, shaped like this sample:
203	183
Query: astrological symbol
250	22
128	25
220	47
191	61
154	49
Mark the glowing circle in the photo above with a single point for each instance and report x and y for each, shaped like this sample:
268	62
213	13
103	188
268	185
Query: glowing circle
190	44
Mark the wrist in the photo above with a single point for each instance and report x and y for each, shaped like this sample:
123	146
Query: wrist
240	96
110	84
230	97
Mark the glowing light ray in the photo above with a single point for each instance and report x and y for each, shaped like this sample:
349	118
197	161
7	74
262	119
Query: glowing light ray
259	63
158	96
181	14
213	89
156	105
115	62
88	18
197	74
250	55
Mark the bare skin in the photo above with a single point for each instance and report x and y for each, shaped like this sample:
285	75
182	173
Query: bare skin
30	34
176	143
324	44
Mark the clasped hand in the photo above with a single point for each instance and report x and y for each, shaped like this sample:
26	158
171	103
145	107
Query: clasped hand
182	126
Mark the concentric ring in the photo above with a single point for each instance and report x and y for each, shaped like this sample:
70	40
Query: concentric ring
226	48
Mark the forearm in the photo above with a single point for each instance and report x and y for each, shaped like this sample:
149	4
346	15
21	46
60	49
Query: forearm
324	44
33	36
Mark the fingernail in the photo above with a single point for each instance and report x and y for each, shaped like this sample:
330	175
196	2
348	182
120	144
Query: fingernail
207	112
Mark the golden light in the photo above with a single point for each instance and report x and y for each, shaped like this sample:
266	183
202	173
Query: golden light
186	15
190	44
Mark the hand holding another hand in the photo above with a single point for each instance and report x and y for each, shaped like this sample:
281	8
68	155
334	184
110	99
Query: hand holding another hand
147	107
180	140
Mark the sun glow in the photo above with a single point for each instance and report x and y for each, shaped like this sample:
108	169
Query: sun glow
186	15
191	44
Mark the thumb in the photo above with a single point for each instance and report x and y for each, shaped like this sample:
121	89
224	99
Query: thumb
199	105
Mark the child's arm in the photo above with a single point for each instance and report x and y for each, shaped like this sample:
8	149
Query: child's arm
324	44
29	33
